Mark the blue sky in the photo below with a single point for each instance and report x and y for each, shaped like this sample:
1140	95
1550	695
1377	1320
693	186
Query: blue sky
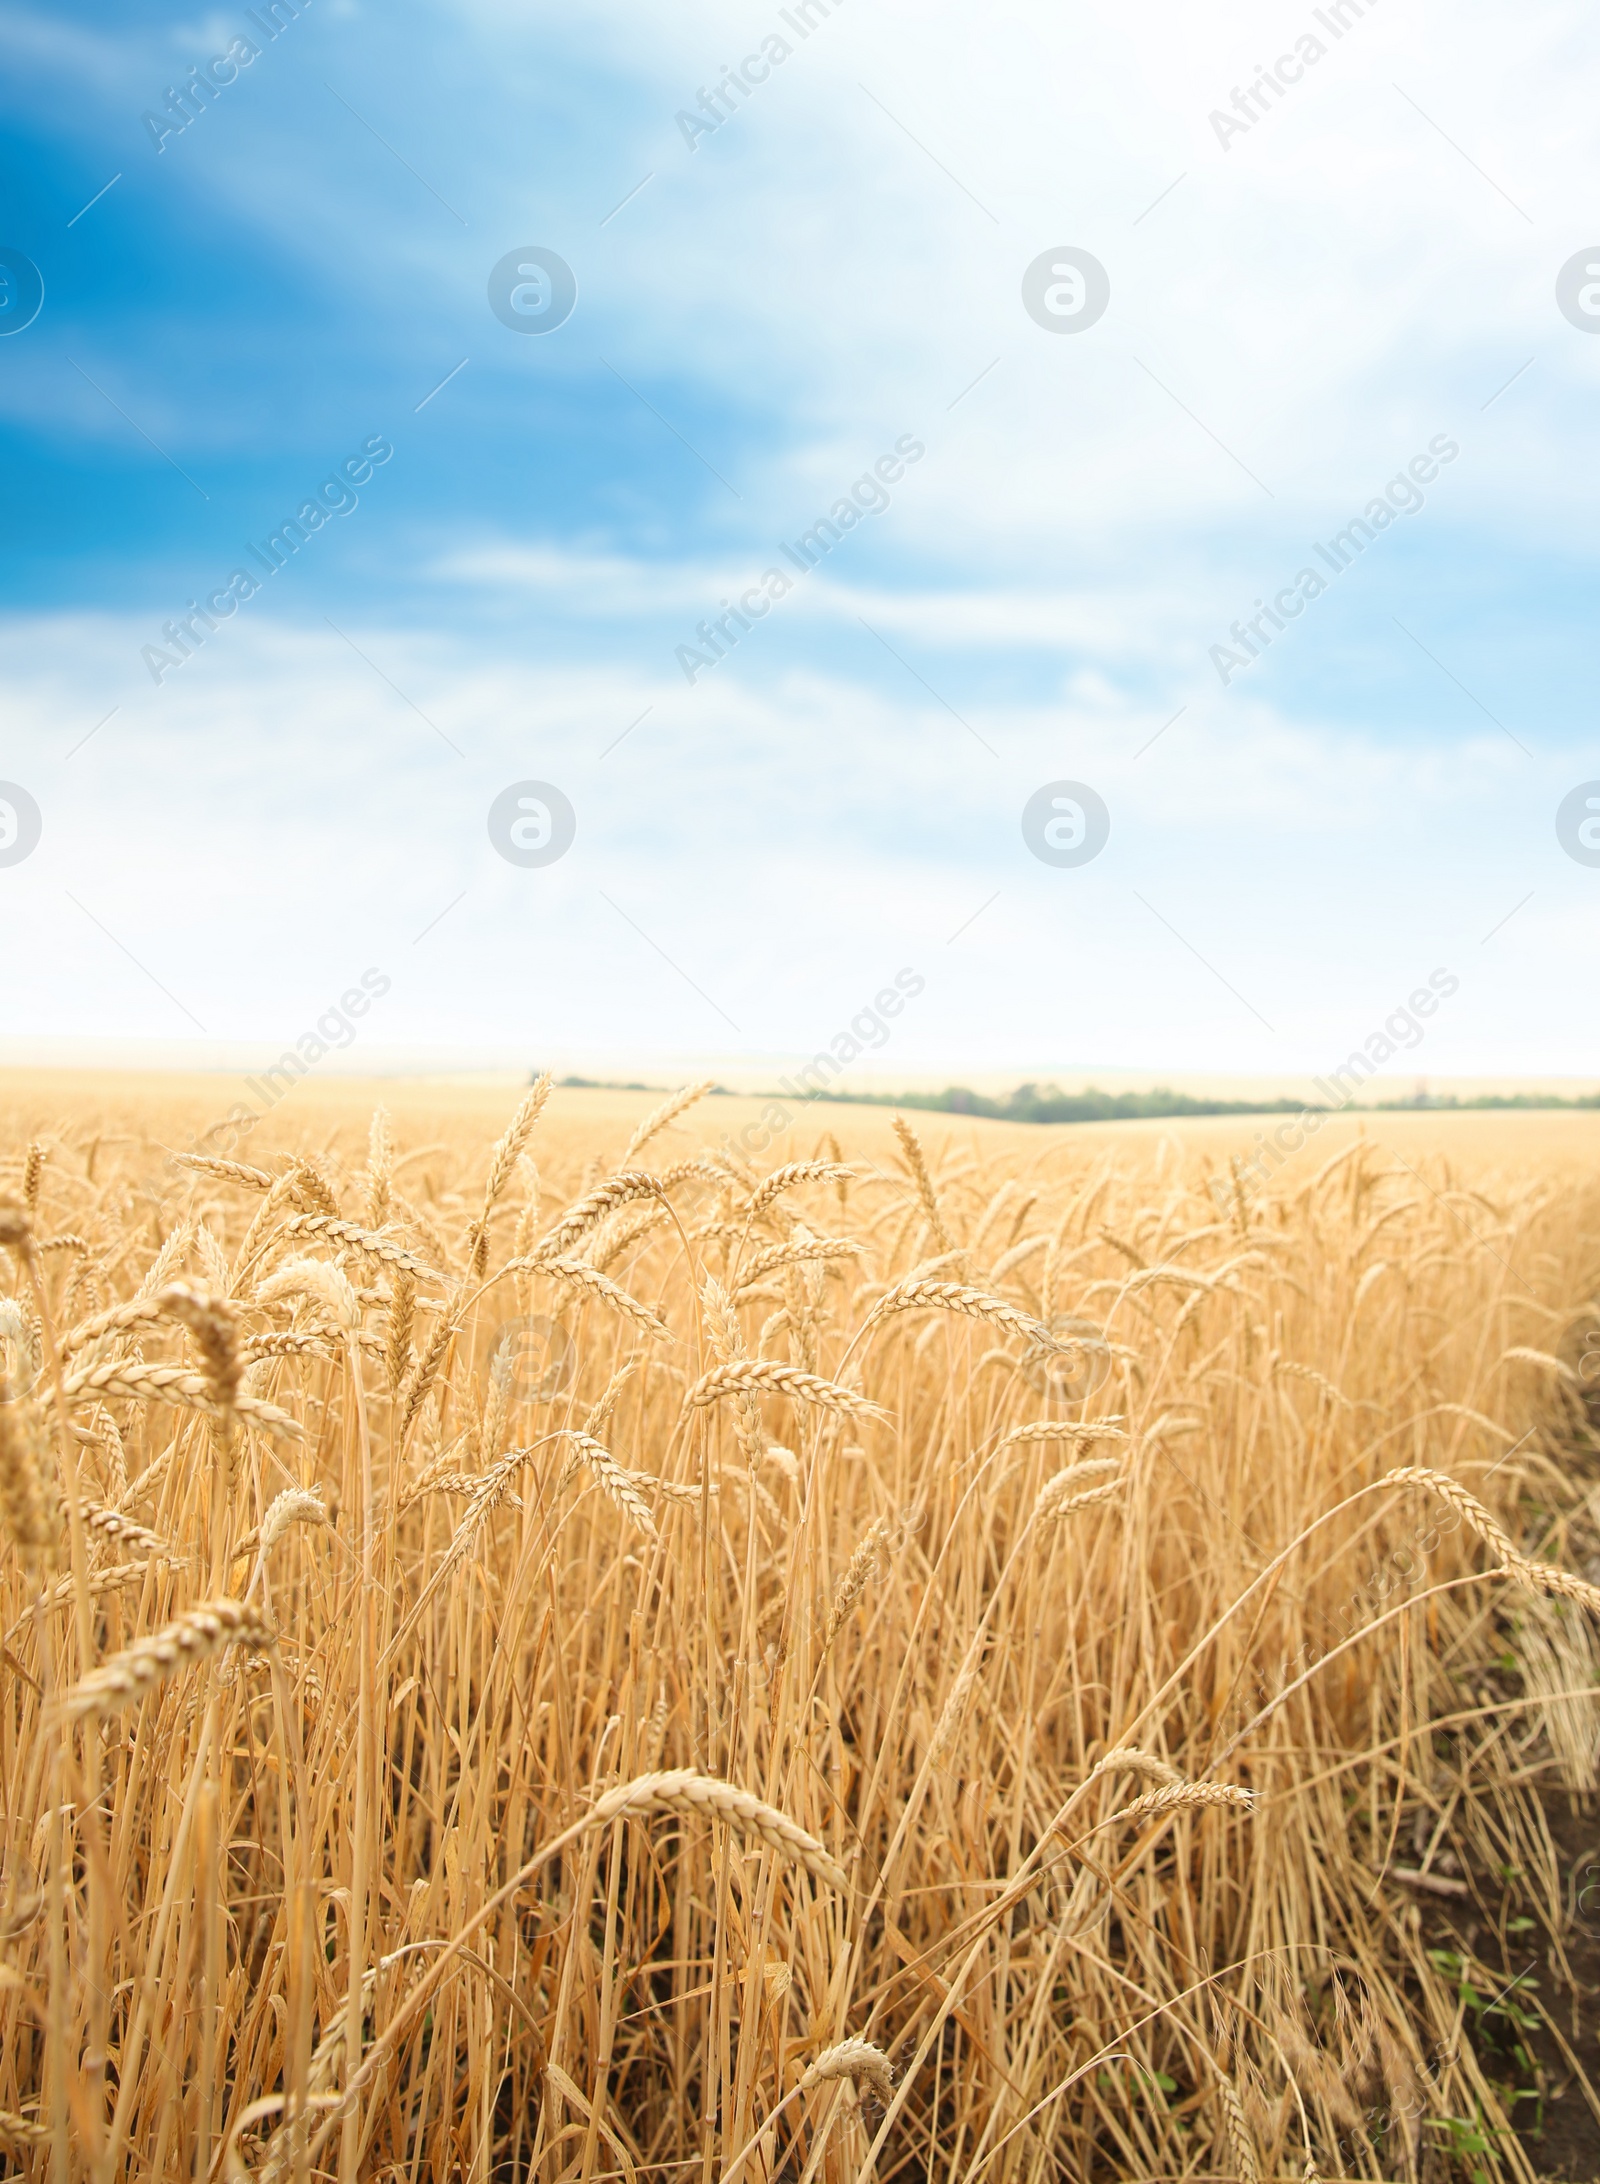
1295	314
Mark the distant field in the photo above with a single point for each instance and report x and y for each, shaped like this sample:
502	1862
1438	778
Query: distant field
565	1639
334	1110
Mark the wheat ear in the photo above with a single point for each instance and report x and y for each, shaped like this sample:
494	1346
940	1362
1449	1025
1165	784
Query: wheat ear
1072	1489
1288	1367
682	1790
501	1162
1239	2138
1130	1758
427	1371
112	1320
26	1504
227	1171
794	1254
402	1313
1533	1576
1082	1430
172	1384
789	1177
1135	1760
164	1266
190	1638
593	1206
620	1484
376	1246
600	1412
916	1161
662	1117
1183	1796
216	1337
318	1278
727	1340
863	1565
757	1374
857	2060
380	1168
121	1531
295	1505
926	1296
581	1275
307	1183
110	1579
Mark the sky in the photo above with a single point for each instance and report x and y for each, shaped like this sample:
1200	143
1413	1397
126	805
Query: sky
1158	328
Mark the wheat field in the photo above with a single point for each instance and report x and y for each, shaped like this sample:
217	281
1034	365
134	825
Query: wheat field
931	1653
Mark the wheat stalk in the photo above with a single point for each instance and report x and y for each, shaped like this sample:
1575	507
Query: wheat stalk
490	1667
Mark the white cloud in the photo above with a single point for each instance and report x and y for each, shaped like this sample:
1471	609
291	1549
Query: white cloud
276	818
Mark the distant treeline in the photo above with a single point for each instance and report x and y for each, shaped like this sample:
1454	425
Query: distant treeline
1047	1103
